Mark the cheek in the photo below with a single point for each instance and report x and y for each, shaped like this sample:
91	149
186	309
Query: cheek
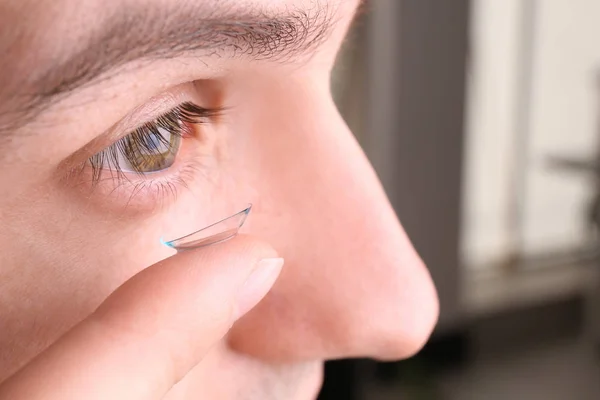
70	255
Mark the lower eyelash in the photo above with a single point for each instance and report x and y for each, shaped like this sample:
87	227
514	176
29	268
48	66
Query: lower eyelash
157	191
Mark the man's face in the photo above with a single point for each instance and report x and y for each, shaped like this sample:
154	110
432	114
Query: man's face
125	121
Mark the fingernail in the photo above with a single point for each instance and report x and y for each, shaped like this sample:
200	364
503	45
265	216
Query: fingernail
258	284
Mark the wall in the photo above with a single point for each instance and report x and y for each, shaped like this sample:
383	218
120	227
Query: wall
532	93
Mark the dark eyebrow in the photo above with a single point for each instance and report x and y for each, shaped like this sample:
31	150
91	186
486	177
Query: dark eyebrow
150	33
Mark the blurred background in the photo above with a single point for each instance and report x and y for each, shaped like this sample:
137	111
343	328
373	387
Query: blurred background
482	119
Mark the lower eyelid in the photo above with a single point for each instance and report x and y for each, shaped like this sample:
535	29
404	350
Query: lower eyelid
146	192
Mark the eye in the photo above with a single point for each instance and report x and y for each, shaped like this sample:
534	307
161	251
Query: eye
150	148
153	146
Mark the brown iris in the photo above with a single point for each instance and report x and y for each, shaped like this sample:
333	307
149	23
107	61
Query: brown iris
152	150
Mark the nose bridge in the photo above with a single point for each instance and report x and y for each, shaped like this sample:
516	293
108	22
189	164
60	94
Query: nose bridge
324	162
345	221
337	199
330	193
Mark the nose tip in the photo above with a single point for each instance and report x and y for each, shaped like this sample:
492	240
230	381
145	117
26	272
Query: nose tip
411	316
390	307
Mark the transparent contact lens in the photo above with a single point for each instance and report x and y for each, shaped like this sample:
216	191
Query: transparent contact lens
217	232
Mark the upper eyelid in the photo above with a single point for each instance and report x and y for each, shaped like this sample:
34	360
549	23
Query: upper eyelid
196	92
146	113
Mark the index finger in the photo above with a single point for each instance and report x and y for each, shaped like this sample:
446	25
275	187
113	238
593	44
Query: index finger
152	330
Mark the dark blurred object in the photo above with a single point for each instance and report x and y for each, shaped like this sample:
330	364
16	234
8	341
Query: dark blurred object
341	381
592	169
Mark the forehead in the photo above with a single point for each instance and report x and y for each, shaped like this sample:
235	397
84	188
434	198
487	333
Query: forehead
35	31
51	47
26	16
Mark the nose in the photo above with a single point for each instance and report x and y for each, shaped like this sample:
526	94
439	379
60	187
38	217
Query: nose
352	284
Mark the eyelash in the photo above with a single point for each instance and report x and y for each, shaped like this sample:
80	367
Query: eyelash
176	122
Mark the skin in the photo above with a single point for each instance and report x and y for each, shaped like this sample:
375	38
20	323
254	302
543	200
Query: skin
352	284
